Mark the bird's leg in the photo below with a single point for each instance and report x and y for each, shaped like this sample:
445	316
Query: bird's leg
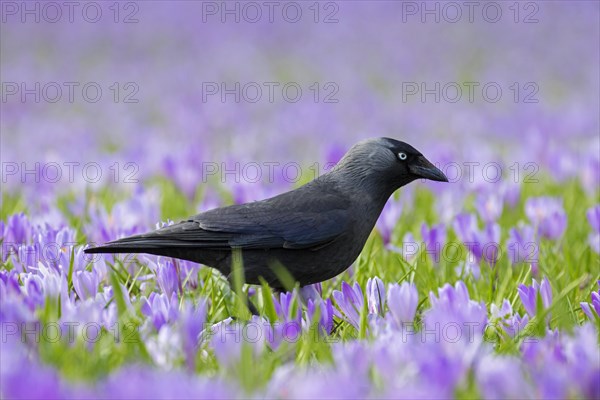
252	308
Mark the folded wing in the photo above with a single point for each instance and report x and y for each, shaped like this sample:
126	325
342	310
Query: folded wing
259	225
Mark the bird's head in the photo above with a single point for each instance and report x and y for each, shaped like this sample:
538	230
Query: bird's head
388	161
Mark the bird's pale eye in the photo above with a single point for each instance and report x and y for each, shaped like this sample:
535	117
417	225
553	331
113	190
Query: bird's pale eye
402	156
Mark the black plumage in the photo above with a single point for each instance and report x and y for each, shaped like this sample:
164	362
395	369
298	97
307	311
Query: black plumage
315	231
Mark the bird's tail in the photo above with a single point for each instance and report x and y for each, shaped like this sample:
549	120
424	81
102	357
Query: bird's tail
182	240
147	243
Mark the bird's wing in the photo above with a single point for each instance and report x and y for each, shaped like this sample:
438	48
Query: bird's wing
293	220
271	229
275	223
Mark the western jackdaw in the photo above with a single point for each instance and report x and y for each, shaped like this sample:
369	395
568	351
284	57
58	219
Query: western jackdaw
315	231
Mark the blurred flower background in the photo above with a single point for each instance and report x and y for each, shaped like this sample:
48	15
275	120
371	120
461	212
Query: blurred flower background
119	116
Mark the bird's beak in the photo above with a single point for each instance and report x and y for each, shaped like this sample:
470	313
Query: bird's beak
424	169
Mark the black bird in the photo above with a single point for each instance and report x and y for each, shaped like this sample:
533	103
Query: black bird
315	231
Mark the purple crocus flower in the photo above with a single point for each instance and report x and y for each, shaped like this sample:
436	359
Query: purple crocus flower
501	312
562	366
312	296
18	230
54	283
13	308
228	337
11	281
511	191
492	374
192	319
402	300
160	308
33	290
25	258
89	311
434	240
184	171
350	301
56	245
594	308
288	327
108	295
86	283
291	382
97	261
167	276
489	206
387	220
144	382
284	307
593	216
468	267
511	323
375	296
325	314
24	378
188	272
547	215
589	173
136	215
277	333
465	225
311	292
522	245
454	308
487	245
528	295
482	244
164	347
